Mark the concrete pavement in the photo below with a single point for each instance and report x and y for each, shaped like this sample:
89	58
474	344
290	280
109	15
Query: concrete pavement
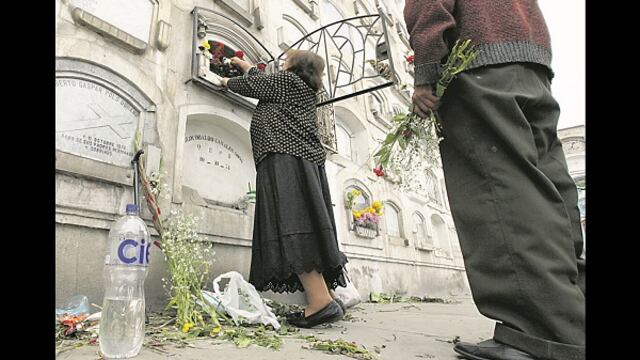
399	331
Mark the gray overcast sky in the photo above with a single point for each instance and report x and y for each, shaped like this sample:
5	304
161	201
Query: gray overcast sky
566	23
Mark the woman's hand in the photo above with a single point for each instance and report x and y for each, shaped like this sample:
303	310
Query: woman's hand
243	65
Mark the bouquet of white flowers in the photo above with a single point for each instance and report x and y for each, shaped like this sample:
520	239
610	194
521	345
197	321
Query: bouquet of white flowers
414	138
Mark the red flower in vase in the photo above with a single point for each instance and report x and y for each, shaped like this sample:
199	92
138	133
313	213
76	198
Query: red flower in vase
239	54
378	171
218	54
261	66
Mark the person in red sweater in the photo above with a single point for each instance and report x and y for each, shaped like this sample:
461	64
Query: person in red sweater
512	199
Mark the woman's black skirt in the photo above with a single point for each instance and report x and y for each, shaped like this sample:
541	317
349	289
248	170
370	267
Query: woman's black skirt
294	229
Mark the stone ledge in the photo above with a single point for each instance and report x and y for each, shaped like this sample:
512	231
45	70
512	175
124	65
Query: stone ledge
84	18
78	165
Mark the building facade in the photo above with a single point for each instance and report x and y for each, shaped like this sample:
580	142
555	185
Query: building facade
574	142
135	70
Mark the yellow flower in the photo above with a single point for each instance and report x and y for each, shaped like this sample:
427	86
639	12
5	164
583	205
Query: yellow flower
206	45
186	327
377	205
215	331
371	210
356	193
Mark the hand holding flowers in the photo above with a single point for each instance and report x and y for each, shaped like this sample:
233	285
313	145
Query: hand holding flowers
413	138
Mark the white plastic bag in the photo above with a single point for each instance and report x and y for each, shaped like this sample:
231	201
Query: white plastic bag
349	295
240	300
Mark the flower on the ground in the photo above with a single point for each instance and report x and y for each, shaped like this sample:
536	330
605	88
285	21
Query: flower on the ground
215	331
189	264
186	327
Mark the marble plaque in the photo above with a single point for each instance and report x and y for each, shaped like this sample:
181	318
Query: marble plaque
218	163
94	122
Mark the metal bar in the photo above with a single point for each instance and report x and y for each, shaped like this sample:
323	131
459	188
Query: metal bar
194	71
136	177
343	97
326	56
322	29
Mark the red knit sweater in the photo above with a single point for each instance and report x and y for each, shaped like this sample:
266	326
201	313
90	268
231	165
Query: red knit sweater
504	30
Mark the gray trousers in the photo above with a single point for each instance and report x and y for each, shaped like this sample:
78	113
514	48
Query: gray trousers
515	208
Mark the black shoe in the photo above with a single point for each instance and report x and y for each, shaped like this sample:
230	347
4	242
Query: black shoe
330	313
490	350
344	309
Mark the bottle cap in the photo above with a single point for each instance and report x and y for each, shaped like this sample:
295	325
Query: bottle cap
132	208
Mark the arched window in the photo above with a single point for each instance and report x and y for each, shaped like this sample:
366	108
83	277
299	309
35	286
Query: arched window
353	134
432	187
377	105
440	234
329	13
343	138
290	32
392	216
419	229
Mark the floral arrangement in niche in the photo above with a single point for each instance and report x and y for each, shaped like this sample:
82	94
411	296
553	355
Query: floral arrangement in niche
216	58
221	63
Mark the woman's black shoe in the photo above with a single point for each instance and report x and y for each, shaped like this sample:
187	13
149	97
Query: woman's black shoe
330	313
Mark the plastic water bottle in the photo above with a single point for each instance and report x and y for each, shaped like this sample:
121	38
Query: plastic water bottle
126	263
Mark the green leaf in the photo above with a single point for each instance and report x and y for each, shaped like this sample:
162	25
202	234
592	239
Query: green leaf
403	142
384	159
390	138
399	117
383	150
243	342
137	140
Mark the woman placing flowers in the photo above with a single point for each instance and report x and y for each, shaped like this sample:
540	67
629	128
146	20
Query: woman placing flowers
294	236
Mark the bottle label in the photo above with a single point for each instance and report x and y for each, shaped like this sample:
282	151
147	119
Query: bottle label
134	251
